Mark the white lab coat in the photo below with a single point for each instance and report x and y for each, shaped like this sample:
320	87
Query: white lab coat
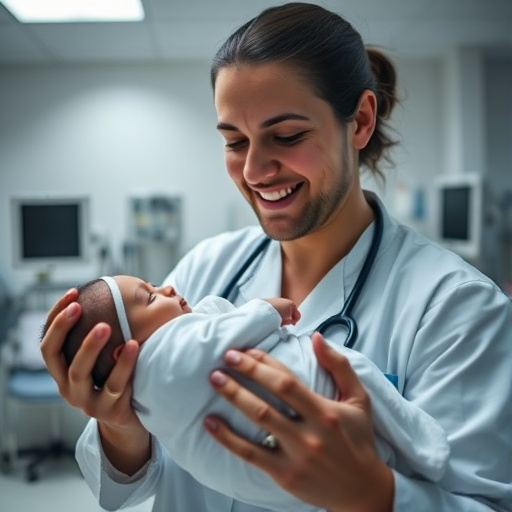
424	315
172	395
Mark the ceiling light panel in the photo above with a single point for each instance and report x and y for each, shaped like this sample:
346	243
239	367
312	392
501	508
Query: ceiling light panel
75	11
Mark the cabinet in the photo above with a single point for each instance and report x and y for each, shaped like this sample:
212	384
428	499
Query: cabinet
153	246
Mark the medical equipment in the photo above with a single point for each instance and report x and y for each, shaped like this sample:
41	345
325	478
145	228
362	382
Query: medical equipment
344	318
50	231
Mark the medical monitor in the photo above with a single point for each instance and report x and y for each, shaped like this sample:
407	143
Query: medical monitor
49	231
459	224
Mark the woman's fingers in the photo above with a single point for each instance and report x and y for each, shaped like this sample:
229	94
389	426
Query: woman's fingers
85	358
257	455
79	379
262	357
51	344
348	384
256	409
274	377
118	381
69	297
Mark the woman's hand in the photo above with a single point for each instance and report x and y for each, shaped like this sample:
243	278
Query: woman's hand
327	456
125	441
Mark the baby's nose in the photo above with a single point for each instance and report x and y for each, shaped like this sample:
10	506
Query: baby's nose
167	291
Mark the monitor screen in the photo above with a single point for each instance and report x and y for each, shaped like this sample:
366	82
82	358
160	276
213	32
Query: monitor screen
460	213
49	230
456	213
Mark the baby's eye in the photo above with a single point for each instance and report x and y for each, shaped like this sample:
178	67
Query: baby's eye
151	298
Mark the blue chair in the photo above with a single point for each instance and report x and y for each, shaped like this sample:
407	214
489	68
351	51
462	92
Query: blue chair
26	383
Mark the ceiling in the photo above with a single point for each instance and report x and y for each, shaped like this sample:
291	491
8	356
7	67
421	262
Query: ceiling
194	29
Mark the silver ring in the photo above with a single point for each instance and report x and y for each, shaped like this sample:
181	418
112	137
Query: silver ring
270	442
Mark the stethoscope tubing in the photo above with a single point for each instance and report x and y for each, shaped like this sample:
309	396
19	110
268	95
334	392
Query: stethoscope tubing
344	317
228	290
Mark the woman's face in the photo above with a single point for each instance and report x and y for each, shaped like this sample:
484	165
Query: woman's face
147	307
284	148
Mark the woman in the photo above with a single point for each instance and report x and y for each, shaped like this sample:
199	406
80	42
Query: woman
302	107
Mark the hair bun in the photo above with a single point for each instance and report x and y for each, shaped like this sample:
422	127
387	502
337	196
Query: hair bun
385	74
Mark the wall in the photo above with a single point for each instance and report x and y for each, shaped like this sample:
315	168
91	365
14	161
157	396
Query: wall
498	233
418	157
499	122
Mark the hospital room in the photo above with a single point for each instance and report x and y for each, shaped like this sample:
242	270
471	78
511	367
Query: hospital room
122	149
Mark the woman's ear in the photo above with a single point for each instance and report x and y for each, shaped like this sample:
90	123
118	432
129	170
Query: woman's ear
364	120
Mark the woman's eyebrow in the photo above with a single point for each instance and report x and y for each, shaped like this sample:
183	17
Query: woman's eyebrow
269	122
283	117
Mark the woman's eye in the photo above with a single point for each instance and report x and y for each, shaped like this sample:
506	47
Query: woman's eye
290	139
234	144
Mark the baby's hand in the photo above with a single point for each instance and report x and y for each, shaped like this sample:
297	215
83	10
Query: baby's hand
288	310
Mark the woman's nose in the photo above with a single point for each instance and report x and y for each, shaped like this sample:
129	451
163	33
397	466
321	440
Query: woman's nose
259	166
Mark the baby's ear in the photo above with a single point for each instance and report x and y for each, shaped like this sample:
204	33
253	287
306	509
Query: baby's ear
117	351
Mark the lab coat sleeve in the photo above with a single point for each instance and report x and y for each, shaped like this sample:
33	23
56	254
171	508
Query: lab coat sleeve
112	493
459	371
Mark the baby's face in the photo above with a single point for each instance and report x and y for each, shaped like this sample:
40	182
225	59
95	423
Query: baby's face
147	307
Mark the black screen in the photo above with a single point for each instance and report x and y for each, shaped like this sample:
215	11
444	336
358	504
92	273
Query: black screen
50	231
456	203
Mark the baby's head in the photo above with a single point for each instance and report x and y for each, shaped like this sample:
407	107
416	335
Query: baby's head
133	308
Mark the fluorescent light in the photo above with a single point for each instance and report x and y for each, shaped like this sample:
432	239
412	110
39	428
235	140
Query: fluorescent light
72	11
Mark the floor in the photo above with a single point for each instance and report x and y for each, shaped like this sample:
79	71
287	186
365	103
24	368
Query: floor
60	488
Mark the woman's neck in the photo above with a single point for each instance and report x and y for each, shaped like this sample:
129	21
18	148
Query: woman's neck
307	260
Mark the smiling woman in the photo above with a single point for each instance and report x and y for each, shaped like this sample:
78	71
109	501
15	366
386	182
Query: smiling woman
286	159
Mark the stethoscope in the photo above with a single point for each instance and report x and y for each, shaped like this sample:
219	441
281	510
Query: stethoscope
344	318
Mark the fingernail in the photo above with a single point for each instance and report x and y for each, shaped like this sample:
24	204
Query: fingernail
233	357
211	424
68	293
218	378
72	310
100	332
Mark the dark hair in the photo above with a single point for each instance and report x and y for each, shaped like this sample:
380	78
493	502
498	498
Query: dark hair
329	54
97	305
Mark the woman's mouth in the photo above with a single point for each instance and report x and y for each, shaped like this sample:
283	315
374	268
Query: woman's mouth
278	195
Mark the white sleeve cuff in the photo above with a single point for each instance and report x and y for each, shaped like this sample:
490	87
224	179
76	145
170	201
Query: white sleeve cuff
118	476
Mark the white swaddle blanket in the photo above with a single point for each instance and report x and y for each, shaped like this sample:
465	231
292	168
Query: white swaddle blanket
172	396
